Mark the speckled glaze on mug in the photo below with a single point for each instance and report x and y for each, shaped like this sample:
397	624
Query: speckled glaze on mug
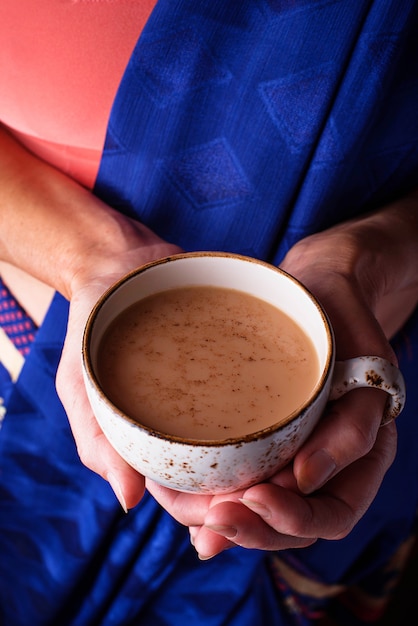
222	466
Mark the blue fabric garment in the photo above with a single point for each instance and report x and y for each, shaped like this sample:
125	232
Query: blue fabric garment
244	126
239	126
70	556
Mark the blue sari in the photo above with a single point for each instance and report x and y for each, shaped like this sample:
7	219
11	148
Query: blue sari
241	127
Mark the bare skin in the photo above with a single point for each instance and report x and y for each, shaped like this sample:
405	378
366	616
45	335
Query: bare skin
79	246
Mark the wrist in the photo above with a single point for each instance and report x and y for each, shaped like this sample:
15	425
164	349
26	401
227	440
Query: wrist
389	238
375	256
117	245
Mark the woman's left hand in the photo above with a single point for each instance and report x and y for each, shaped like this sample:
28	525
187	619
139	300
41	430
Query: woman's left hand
348	452
336	474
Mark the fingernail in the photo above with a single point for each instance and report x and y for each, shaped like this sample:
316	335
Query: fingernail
226	531
318	468
256	507
114	483
205	558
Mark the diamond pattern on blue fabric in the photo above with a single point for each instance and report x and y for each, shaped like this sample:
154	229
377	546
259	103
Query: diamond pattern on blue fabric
297	104
175	64
209	175
112	145
329	149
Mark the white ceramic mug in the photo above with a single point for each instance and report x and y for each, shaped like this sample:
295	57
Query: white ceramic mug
221	466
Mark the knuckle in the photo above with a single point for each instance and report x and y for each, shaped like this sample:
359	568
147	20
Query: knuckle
362	438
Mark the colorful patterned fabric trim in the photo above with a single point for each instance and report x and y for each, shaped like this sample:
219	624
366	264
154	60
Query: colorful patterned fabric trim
309	600
18	326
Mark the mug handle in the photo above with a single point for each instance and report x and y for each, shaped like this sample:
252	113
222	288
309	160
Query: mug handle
371	371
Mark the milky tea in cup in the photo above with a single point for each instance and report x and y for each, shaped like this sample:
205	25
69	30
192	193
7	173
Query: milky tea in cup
207	371
206	363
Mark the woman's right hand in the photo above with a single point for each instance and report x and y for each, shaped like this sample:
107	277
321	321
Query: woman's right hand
93	448
59	232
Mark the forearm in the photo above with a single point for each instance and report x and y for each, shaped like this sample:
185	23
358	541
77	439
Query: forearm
53	228
376	254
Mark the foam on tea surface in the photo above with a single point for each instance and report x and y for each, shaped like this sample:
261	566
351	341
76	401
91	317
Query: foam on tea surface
206	363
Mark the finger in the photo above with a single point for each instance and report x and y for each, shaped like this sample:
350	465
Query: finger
188	509
208	544
346	432
97	454
193	532
246	528
329	513
279	518
93	448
